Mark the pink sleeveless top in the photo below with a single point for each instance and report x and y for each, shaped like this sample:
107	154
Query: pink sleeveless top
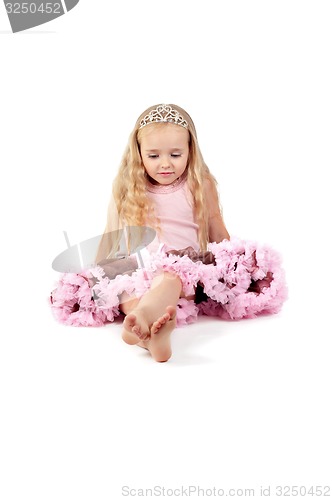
174	207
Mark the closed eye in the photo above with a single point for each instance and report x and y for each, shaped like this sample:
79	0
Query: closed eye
173	155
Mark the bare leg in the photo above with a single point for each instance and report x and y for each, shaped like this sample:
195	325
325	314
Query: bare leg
153	318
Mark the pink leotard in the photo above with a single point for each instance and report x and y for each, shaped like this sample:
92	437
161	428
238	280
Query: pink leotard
174	207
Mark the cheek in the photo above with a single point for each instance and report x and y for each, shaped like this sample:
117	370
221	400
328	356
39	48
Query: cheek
148	165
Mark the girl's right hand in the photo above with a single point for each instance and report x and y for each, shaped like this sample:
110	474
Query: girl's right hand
205	257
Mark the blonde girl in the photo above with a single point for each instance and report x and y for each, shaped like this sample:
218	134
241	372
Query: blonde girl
166	255
162	183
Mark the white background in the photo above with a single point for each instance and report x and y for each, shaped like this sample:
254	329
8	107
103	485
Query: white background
239	405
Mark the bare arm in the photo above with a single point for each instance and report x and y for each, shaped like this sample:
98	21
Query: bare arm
217	229
109	239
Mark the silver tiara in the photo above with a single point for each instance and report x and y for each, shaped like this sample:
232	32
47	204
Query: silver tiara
163	113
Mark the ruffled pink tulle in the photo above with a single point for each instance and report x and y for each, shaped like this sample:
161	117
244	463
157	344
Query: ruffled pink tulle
247	280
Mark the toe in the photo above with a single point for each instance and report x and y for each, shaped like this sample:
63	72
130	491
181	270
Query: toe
155	327
160	322
145	336
164	319
171	310
130	320
136	330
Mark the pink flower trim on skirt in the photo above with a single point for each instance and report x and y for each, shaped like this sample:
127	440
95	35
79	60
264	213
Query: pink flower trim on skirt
247	280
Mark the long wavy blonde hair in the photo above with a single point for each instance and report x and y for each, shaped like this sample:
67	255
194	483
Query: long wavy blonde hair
130	200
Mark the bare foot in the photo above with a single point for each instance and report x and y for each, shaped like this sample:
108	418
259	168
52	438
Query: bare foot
169	314
159	343
135	328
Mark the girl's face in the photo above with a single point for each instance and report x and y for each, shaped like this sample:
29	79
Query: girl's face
165	152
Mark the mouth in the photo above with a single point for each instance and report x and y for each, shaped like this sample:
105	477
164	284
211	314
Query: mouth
166	173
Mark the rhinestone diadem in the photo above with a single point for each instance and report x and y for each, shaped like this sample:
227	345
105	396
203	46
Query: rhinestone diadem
163	113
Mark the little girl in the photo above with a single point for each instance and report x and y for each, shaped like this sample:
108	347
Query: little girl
192	264
161	175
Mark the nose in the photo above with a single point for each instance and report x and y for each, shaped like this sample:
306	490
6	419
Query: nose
165	162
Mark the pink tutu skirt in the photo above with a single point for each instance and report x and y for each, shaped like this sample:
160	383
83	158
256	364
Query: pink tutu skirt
244	280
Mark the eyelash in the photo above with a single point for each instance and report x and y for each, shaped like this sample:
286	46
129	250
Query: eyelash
156	156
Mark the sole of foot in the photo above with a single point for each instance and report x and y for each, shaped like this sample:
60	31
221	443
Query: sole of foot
156	339
159	343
